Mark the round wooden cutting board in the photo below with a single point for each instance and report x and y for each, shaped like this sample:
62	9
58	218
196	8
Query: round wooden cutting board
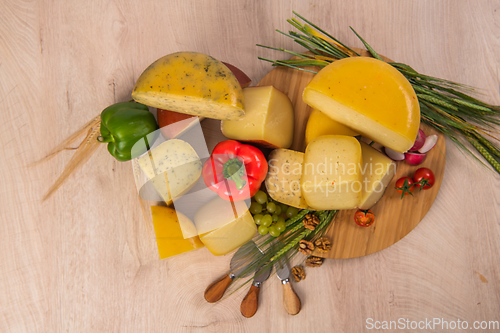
394	217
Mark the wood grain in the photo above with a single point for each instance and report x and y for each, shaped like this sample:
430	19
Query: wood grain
85	261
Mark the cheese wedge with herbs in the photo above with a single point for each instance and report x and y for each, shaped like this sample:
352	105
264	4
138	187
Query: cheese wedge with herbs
191	83
369	96
378	171
320	124
283	178
173	167
331	175
169	239
268	120
224	225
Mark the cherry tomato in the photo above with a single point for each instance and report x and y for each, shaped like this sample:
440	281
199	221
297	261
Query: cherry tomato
405	186
364	218
425	177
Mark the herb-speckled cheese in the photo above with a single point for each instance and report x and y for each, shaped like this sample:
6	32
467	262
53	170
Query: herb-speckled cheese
191	83
173	167
283	179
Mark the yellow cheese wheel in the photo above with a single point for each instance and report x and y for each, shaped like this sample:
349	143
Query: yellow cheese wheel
191	83
369	96
320	124
168	232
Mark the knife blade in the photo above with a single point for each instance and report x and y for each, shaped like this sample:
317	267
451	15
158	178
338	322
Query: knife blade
238	266
291	301
251	301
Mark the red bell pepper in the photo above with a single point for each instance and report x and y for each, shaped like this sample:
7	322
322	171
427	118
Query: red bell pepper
235	171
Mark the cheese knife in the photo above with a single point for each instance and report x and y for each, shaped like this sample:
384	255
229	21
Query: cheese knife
251	301
238	268
291	301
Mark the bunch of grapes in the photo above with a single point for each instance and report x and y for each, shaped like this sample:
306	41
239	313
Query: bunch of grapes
270	215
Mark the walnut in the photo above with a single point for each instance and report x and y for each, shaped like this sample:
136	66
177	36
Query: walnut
313	261
311	221
323	244
306	247
298	273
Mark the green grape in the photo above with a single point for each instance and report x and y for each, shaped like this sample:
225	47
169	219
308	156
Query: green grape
275	217
291	212
273	231
271	207
278	210
260	197
266	220
257	218
280	224
263	230
284	207
255	208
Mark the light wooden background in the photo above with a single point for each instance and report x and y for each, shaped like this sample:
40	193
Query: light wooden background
84	260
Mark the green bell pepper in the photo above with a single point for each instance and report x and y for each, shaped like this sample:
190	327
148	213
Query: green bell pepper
122	125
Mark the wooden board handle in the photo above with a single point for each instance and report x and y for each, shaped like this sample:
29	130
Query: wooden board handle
214	292
291	301
250	302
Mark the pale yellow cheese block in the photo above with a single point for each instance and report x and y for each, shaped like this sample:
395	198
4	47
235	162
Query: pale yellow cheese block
331	176
378	171
231	225
268	119
320	124
173	168
283	178
191	83
369	96
169	239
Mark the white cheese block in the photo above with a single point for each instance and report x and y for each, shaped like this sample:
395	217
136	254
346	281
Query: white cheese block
331	176
378	171
283	179
173	167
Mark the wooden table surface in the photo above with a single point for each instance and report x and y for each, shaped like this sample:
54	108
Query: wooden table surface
85	261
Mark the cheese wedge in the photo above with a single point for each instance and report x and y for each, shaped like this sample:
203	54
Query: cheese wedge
369	96
320	124
224	225
283	179
191	83
378	171
169	239
268	120
173	167
331	176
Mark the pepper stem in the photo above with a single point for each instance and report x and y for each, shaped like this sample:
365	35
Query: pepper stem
234	170
105	139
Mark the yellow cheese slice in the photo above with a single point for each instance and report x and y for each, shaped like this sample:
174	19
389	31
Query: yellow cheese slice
320	124
169	237
369	96
331	176
268	119
191	83
224	225
226	239
283	178
378	171
173	167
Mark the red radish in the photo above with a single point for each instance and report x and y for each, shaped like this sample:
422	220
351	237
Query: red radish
394	155
430	142
415	158
419	141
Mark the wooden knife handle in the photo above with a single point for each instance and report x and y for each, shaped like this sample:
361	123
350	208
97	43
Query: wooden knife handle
250	302
291	301
214	292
